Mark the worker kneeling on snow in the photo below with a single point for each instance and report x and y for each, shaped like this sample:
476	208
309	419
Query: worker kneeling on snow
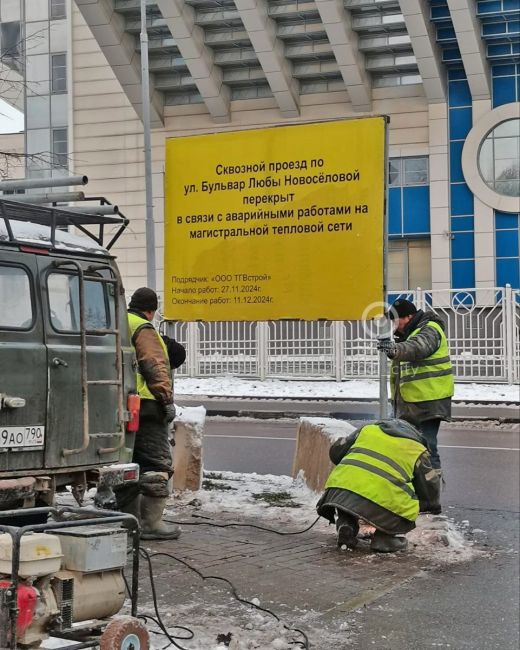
384	476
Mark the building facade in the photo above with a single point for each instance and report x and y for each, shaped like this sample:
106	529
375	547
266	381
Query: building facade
447	72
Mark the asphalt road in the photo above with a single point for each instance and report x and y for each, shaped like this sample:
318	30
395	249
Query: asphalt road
481	467
475	605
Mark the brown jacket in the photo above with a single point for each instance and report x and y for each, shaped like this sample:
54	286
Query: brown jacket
153	363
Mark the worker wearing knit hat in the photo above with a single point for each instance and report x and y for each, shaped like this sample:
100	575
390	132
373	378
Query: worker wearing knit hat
152	449
402	308
144	300
421	375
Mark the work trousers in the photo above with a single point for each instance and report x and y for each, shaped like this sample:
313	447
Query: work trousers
153	454
152	448
429	430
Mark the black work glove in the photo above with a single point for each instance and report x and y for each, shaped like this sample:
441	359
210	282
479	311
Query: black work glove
169	411
388	347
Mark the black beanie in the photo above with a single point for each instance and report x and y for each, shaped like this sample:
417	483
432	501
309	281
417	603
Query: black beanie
401	308
144	299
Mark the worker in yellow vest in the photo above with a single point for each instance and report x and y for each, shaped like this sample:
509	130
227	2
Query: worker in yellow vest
421	375
152	449
384	476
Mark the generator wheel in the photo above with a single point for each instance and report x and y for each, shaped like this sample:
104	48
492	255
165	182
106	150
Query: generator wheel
125	633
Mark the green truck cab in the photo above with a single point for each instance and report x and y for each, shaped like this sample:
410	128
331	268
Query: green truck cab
67	366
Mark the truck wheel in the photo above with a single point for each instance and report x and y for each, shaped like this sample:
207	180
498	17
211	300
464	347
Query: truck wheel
125	633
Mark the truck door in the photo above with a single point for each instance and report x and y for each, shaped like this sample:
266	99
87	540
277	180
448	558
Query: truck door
81	435
23	365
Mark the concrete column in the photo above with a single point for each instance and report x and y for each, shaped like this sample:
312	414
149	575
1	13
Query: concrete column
484	228
439	196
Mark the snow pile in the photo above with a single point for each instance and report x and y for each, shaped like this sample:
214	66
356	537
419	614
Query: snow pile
333	429
364	388
263	496
435	539
441	539
194	416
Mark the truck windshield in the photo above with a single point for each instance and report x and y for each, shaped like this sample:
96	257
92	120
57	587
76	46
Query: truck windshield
64	303
16	311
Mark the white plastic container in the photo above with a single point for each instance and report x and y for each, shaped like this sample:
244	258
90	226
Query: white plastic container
40	554
93	548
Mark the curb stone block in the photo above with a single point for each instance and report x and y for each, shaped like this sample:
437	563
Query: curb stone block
311	457
187	452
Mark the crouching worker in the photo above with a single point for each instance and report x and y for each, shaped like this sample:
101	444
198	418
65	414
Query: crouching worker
384	476
152	449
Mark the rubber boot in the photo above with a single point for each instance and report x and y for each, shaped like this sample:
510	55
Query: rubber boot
440	474
152	525
437	509
383	543
347	528
133	507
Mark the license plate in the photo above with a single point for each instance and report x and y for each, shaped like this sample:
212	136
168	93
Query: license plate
22	436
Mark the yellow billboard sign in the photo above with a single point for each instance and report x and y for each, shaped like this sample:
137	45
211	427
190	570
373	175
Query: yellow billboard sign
283	222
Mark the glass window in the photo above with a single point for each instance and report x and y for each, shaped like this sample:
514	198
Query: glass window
394	172
58	9
11	43
408	171
415	171
409	265
15	313
499	158
59	73
64	303
60	148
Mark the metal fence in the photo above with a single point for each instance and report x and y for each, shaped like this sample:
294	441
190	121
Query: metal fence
482	326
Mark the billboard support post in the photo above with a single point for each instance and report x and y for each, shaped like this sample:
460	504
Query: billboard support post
383	361
145	87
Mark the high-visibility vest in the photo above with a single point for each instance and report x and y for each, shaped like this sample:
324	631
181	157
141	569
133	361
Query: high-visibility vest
428	379
380	467
135	323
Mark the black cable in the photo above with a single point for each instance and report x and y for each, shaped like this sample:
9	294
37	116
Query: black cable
188	637
302	644
173	640
128	592
146	617
159	622
269	530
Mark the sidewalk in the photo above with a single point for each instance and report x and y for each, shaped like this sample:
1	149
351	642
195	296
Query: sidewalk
305	579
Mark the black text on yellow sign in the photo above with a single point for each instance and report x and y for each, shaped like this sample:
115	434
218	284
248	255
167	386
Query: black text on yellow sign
275	223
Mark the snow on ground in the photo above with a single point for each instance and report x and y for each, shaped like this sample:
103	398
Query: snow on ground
238	387
236	626
279	500
280	503
248	496
283	503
